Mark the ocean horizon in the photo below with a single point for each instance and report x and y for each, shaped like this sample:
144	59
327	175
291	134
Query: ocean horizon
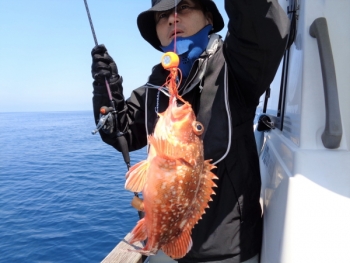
62	196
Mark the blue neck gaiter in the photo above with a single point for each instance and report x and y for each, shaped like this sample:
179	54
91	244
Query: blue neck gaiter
189	48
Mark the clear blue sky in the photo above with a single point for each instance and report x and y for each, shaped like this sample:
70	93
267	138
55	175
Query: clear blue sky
45	51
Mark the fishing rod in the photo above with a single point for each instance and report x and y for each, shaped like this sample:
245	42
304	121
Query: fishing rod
109	115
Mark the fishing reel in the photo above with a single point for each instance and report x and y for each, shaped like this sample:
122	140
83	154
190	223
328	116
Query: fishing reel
106	121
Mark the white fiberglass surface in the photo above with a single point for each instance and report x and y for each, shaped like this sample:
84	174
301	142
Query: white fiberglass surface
306	203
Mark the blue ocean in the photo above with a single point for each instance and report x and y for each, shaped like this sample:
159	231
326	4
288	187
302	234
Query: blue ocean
62	196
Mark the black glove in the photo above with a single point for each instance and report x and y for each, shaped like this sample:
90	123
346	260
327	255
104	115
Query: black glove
103	65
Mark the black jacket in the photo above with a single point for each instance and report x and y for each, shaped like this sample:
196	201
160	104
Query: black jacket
237	72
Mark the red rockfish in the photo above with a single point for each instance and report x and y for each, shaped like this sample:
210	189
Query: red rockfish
175	180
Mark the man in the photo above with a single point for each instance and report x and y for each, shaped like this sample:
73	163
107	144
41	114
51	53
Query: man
223	80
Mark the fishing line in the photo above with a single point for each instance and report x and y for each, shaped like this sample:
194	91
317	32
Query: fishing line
175	22
91	25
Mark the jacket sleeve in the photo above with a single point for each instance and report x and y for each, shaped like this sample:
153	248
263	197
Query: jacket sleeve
131	114
254	44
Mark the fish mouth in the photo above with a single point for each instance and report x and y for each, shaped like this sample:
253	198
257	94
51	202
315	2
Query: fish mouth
181	112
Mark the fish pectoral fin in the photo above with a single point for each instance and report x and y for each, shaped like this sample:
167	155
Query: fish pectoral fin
136	176
139	232
163	148
180	246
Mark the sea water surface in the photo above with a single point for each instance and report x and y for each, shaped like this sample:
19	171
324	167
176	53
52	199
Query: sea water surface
62	196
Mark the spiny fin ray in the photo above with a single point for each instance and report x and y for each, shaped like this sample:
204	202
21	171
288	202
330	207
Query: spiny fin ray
165	149
203	196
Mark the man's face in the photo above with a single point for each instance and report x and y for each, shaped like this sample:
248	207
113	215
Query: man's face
190	19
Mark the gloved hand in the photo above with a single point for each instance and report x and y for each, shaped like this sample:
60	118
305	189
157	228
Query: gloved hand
103	65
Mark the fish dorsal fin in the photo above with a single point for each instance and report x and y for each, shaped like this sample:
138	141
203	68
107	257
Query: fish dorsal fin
203	196
180	246
136	176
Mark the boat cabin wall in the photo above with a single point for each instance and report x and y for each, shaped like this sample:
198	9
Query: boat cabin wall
304	115
305	192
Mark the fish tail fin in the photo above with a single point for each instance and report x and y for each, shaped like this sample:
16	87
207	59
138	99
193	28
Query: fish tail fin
180	246
139	232
136	177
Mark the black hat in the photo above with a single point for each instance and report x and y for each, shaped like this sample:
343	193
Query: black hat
147	23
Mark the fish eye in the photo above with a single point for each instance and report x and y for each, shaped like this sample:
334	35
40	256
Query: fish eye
198	127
